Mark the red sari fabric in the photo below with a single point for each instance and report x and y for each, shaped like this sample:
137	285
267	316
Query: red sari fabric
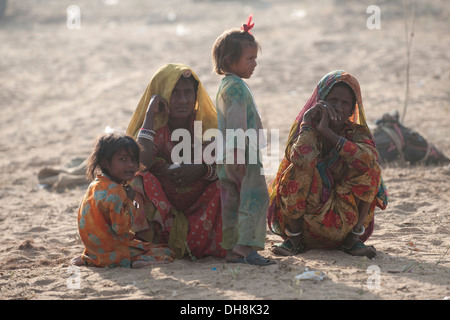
198	203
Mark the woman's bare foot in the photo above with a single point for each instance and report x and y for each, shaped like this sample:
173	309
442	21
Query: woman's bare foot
360	249
355	247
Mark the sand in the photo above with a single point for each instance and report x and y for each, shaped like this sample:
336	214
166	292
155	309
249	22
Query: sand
60	87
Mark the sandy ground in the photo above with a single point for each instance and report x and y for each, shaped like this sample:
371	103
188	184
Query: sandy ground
60	88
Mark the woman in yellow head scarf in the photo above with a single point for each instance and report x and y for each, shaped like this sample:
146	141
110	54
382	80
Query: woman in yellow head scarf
329	181
162	85
179	203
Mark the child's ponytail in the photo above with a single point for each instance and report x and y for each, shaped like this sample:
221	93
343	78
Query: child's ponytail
246	27
227	48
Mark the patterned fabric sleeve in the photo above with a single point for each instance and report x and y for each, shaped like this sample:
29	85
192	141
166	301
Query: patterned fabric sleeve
359	151
361	156
121	211
304	151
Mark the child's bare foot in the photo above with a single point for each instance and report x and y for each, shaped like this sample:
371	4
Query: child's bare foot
77	261
242	251
248	255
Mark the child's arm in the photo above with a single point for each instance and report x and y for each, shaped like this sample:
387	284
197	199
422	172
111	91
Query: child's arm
235	110
122	210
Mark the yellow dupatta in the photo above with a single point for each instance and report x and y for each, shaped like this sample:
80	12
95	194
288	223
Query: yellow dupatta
162	84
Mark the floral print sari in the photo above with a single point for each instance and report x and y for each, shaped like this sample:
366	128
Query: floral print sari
325	189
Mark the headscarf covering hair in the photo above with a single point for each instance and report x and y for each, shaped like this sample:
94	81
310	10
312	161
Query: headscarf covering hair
322	89
320	93
162	84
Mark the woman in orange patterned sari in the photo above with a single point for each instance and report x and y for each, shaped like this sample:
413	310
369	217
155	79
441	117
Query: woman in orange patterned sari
179	204
329	182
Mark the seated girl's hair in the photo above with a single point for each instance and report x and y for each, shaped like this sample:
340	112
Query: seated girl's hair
228	47
107	145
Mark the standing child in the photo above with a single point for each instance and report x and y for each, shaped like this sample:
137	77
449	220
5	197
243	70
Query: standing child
243	190
105	216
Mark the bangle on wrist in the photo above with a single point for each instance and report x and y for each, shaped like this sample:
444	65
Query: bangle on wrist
211	173
306	126
340	144
146	134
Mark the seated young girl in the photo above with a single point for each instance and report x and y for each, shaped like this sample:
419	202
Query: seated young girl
105	216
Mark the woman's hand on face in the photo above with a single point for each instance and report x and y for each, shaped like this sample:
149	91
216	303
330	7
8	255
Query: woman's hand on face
313	115
321	114
324	123
157	105
333	115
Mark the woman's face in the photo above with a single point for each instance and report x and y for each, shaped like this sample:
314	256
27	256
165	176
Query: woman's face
183	99
341	99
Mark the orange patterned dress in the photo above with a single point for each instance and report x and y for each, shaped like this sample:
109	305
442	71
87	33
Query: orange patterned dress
105	218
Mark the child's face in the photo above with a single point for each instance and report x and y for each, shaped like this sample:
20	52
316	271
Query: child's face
122	167
246	64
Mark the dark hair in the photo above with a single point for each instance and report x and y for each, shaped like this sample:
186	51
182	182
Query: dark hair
191	79
107	145
228	47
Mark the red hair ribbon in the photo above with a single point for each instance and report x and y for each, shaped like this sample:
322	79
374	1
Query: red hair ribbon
249	25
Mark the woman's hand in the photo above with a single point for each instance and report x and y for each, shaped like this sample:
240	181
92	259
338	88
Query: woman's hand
156	105
185	174
321	114
313	115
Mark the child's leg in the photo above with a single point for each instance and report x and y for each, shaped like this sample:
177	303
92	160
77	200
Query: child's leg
253	208
230	199
146	254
